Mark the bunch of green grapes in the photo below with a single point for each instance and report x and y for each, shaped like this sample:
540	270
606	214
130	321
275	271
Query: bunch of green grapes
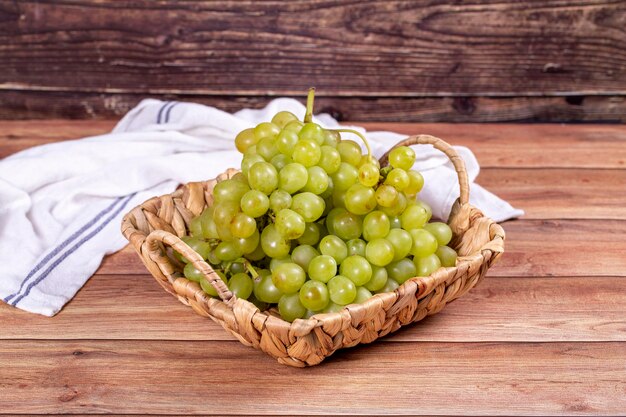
311	224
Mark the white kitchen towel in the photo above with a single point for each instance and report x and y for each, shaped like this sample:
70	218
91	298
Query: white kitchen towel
61	204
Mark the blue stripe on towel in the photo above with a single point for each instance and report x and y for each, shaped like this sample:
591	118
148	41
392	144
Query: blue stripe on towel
62	246
167	113
73	249
160	113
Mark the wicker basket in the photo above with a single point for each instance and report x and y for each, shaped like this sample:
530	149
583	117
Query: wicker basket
154	228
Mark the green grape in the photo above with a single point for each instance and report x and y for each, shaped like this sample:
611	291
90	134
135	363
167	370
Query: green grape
308	205
390	286
397	208
263	176
266	130
223	214
330	160
375	225
395	222
360	199
242	226
250	151
290	307
402	157
294	126
429	210
379	252
350	152
275	262
414	217
288	277
257	253
192	273
333	308
255	203
312	132
345	176
424	243
303	255
441	231
368	175
247	245
226	251
398	178
307	153
273	243
208	288
426	265
195	226
285	142
357	269
322	268
282	118
416	183
266	147
236	268
366	159
378	280
229	190
342	290
328	192
279	200
318	180
344	224
280	161
314	295
338	199
241	285
293	177
311	235
240	177
401	241
266	291
200	246
332	245
289	224
356	247
331	138
447	256
212	259
401	270
386	195
248	161
209	228
245	139
362	295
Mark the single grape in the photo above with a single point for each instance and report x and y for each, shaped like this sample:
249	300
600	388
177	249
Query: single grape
338	199
241	285
248	161
250	151
208	288
376	225
360	199
322	268
223	214
228	191
279	200
366	159
266	130
342	290
447	256
356	247
332	245
293	177
266	291
273	243
395	222
288	277
209	228
275	262
227	251
294	126
308	205
212	259
236	268
311	235
306	152
368	175
314	295
263	176
318	180
398	206
289	224
429	210
386	195
441	231
282	118
344	224
192	273
240	177
330	160
401	241
280	161
414	217
312	132
331	138
398	178
248	244
416	183
345	176
328	192
390	286
350	152
200	246
245	139
303	255
357	269
401	270
285	142
290	307
378	280
242	226
362	295
402	157
424	243
195	227
379	252
255	203
257	254
266	147
426	265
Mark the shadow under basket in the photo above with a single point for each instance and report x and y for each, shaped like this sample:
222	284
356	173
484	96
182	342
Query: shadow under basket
154	229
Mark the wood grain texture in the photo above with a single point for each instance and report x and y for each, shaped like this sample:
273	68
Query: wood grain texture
225	377
567	309
80	105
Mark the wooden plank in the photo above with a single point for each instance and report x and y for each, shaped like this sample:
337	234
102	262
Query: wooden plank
534	248
567	309
224	378
81	105
375	48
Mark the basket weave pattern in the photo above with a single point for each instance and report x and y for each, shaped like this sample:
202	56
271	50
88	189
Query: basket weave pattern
154	229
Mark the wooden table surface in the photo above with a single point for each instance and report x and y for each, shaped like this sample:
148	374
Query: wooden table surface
543	334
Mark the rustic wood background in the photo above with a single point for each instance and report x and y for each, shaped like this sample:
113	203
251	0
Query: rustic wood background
486	60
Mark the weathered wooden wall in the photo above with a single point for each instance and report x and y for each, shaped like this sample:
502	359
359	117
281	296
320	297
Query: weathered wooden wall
487	60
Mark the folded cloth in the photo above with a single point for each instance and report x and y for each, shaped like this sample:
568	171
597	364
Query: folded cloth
61	204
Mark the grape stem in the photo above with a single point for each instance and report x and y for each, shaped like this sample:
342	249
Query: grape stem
308	116
250	268
360	135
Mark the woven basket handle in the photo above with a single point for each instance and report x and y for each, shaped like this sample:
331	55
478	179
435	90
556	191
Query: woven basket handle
444	147
167	238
